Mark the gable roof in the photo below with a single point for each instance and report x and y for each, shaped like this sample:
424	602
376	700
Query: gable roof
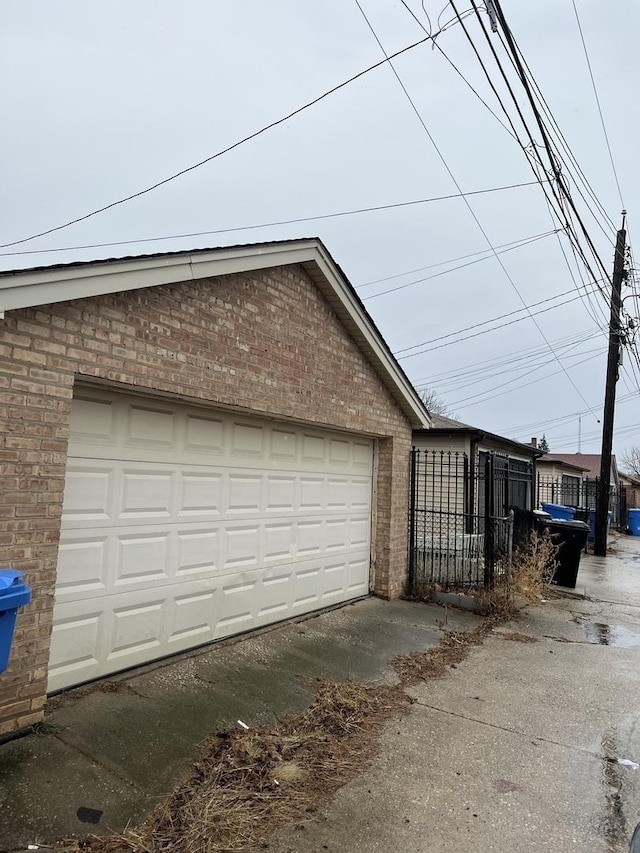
443	424
556	459
587	462
28	288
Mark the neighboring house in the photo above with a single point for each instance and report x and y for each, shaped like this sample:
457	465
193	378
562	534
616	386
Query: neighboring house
465	481
515	462
631	486
559	480
572	479
194	444
588	462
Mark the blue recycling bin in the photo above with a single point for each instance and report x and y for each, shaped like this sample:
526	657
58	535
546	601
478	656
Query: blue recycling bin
634	522
592	523
14	593
564	513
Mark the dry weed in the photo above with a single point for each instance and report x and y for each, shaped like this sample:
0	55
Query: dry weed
247	783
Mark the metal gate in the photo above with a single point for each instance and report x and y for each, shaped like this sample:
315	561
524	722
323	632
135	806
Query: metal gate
460	525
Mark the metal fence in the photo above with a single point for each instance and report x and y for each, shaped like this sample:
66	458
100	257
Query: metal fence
582	495
461	524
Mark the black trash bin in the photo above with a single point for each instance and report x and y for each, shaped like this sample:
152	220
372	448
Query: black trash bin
524	521
571	536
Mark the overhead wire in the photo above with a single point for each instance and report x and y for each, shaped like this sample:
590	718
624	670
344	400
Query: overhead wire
487	331
600	113
465	405
299	219
472	375
513	132
467	203
521	241
545	138
454	269
561	194
398	352
225	150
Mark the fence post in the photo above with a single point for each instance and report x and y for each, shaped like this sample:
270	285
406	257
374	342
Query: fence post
412	520
489	533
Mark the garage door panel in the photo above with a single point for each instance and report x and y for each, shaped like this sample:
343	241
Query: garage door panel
204	435
150	426
358	576
247	440
334	581
281	494
307	592
198	551
192	618
142	558
246	494
146	494
242	547
83	567
137	629
182	526
89	493
75	645
200	494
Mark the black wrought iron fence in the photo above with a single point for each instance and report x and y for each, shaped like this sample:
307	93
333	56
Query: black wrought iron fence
582	495
461	527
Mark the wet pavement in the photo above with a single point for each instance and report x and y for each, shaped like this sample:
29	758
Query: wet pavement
109	753
531	744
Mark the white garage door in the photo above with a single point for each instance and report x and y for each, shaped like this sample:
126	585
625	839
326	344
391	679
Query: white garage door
182	525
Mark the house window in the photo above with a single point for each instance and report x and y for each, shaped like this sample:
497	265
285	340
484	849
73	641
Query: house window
570	492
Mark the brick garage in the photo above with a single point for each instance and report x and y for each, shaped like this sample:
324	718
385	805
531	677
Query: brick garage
271	332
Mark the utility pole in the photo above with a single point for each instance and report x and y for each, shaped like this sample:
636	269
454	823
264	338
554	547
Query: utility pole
613	361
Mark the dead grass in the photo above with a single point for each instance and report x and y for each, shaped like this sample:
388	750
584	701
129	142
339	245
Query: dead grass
453	649
248	783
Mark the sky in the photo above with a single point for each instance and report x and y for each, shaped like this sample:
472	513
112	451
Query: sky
101	100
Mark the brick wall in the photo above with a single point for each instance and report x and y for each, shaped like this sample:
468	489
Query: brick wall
264	342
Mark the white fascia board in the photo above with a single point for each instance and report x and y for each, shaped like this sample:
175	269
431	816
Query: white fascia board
46	286
32	288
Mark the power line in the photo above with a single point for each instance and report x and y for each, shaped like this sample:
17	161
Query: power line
468	205
461	404
595	92
226	150
521	241
545	138
317	218
453	269
398	353
473	376
455	67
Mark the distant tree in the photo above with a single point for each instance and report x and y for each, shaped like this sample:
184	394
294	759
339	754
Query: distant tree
434	403
544	444
631	461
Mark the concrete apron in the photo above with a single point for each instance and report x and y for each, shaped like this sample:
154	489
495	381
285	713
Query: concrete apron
518	749
106	756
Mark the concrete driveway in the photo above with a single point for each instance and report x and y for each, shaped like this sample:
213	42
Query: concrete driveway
519	748
108	754
530	744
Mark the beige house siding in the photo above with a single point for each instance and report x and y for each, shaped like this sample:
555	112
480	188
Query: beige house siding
265	342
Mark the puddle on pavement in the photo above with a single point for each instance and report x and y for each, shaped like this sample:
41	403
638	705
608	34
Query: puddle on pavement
611	635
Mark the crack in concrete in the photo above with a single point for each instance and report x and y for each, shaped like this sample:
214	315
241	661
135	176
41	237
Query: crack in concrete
519	732
120	776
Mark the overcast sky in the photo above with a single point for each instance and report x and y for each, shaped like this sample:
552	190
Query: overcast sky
100	100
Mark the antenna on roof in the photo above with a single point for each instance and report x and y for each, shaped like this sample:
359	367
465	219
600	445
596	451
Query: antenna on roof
579	433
